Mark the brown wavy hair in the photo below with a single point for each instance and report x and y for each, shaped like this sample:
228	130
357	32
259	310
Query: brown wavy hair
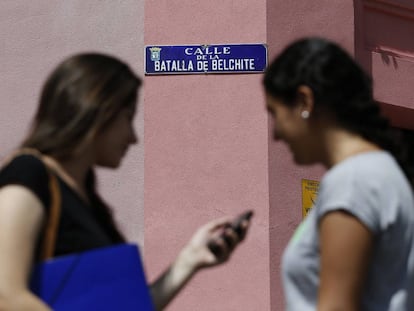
81	96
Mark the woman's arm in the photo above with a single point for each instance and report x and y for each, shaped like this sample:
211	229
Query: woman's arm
346	247
21	216
193	257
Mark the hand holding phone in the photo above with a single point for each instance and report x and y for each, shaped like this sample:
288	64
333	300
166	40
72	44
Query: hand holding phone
237	223
237	227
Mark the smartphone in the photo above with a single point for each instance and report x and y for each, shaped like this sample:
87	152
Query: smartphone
236	226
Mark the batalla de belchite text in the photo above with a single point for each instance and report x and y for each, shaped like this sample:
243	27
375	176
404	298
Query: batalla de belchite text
207	59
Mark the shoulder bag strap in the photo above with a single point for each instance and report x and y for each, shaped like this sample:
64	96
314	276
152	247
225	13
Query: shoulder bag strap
51	228
52	221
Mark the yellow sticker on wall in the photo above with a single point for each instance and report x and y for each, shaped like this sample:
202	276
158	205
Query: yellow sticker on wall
309	194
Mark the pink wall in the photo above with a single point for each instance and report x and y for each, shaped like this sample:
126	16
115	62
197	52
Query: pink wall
385	47
286	21
206	152
36	35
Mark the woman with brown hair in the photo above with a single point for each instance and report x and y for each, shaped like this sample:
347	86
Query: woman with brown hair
84	120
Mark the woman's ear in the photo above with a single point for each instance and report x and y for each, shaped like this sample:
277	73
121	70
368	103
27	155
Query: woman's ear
305	99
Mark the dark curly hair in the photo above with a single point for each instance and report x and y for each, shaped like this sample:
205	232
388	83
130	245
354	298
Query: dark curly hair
340	88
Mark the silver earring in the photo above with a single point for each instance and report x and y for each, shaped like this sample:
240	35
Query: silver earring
305	114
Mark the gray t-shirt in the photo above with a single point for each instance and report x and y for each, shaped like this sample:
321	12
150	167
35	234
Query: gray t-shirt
372	187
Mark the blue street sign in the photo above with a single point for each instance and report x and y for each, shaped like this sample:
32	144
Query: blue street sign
193	59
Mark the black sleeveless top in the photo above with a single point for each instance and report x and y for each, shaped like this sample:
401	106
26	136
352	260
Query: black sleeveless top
79	228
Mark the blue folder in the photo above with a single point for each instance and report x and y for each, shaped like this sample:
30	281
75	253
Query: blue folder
110	278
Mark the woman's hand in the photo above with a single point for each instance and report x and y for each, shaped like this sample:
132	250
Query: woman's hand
198	254
213	243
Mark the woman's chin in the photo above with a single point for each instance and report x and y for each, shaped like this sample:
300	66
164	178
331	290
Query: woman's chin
111	164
